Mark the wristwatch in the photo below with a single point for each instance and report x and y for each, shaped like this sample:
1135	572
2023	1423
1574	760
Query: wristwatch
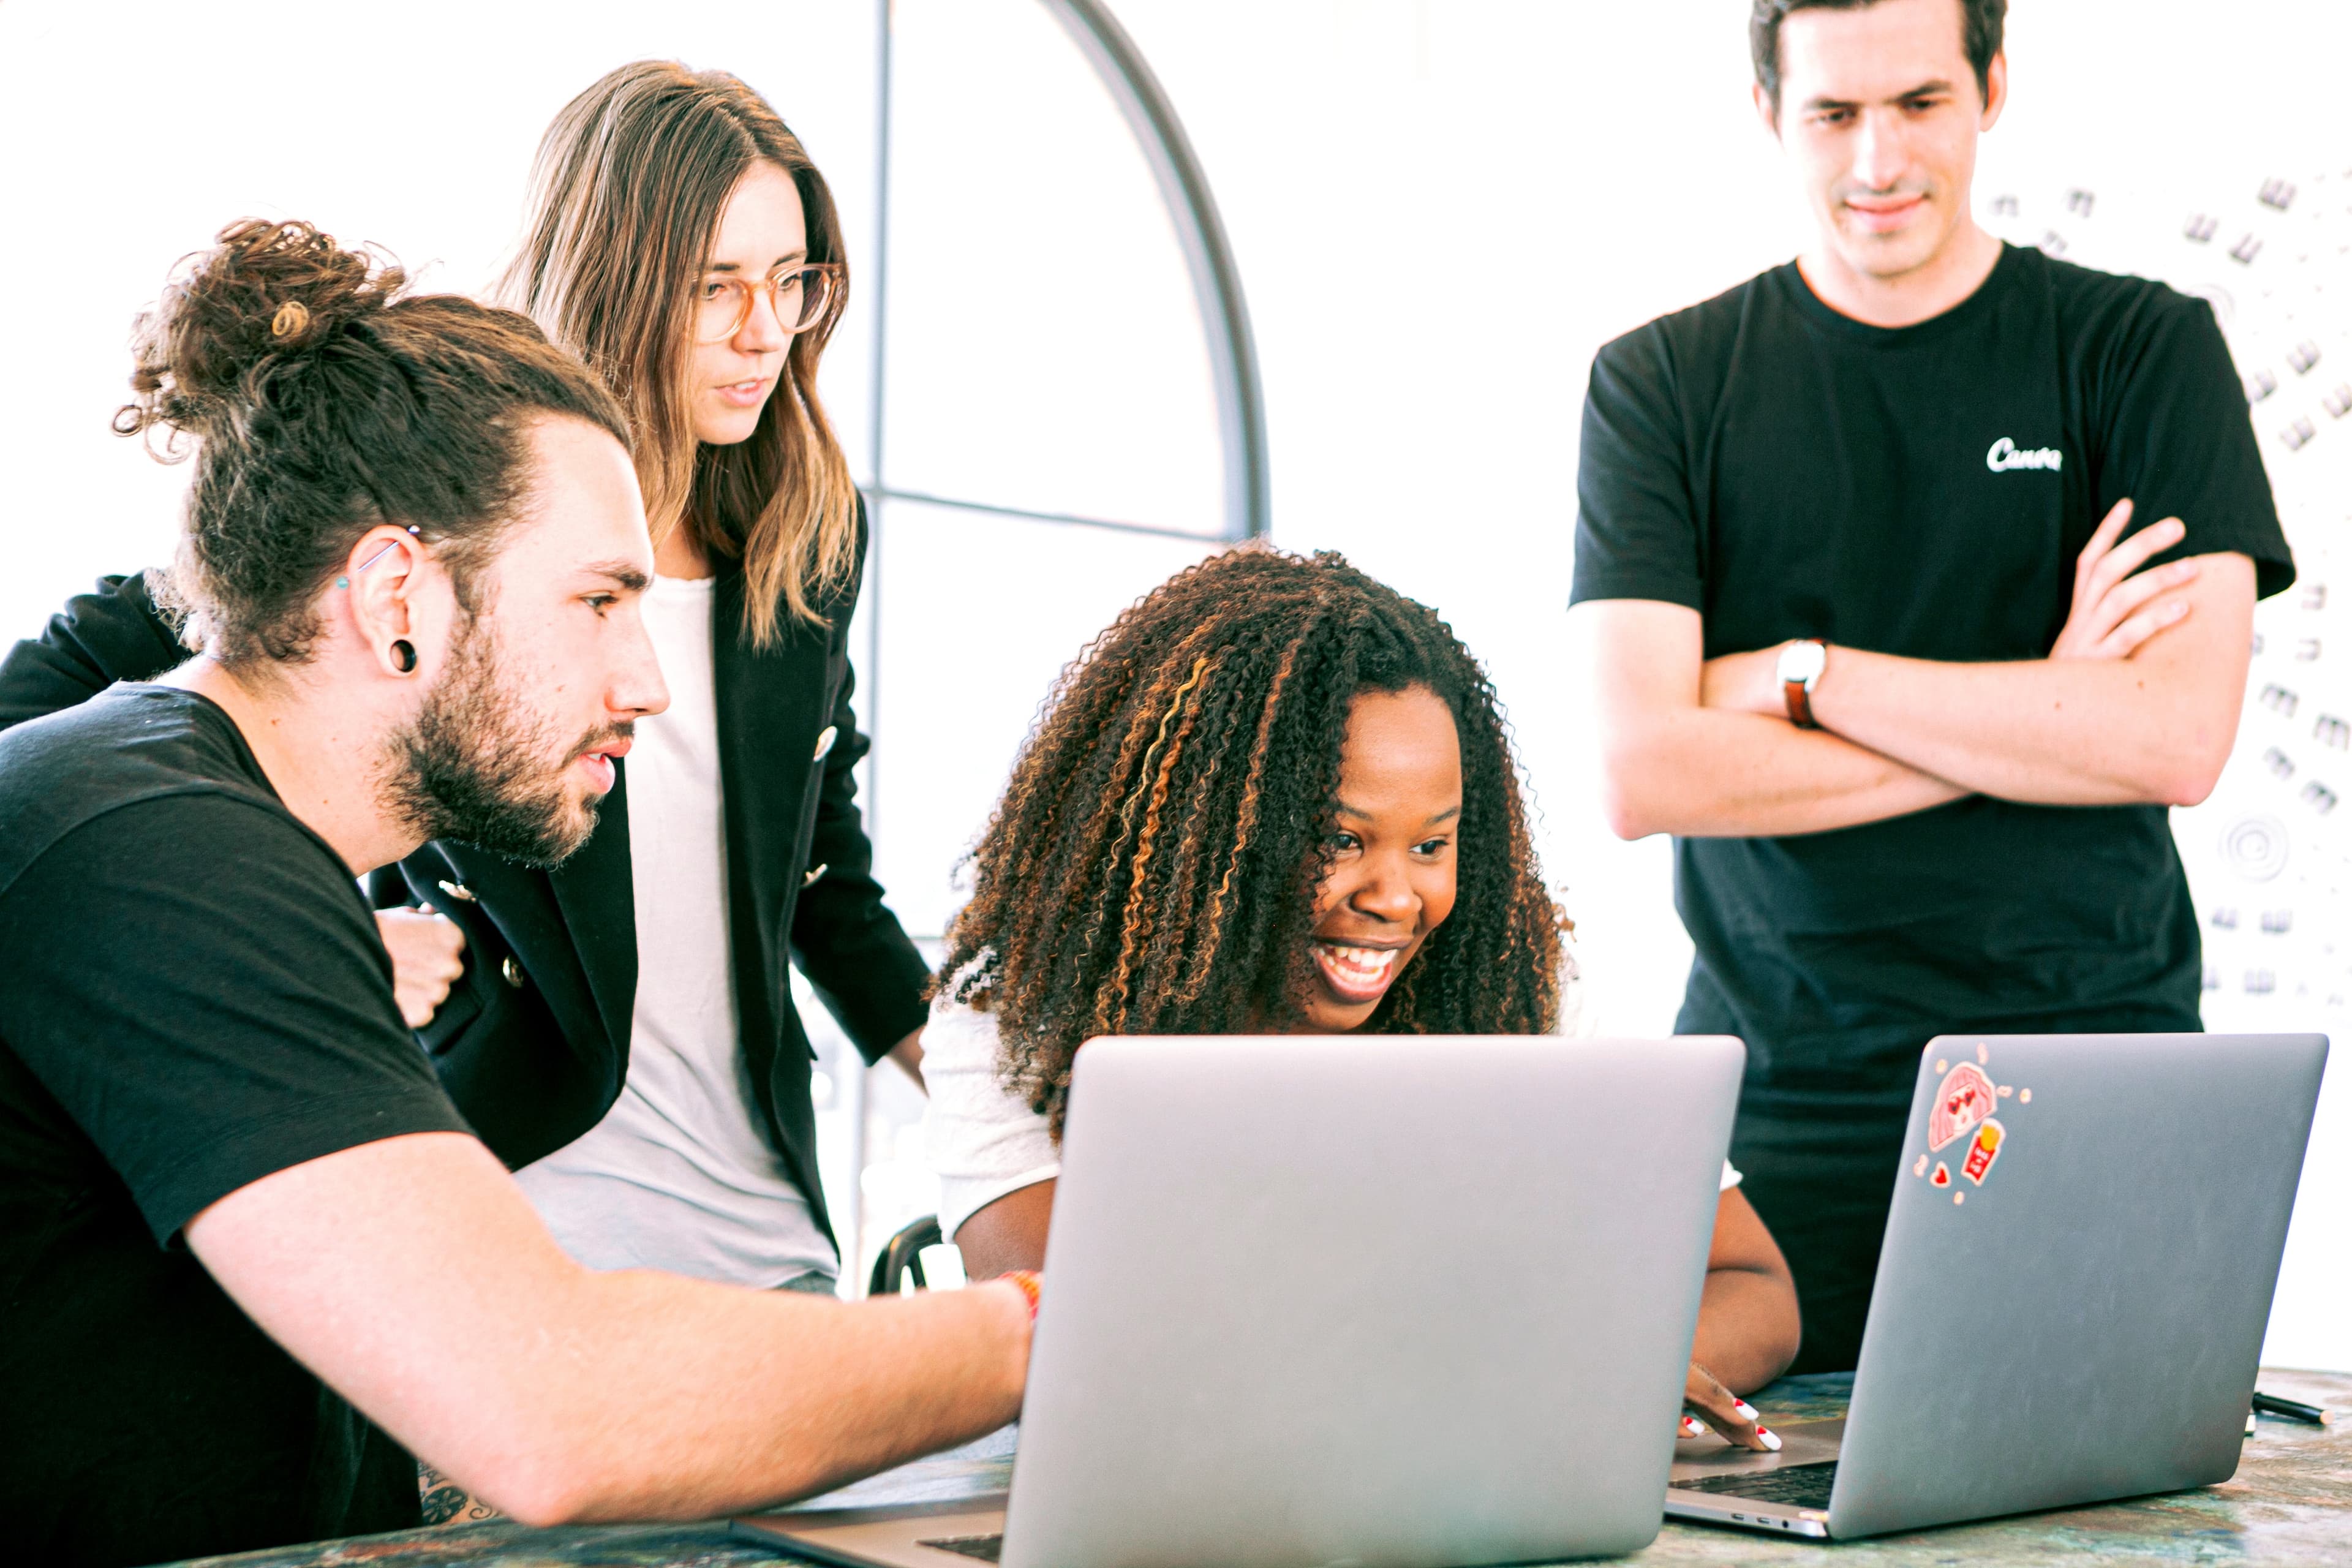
1800	665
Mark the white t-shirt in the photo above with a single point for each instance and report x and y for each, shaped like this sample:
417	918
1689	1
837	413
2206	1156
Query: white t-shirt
677	1176
984	1142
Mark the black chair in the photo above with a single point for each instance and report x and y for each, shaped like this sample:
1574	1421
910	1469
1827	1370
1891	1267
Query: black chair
903	1257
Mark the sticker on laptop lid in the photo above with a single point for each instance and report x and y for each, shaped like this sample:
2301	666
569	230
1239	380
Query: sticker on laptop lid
1966	1098
1943	1176
1983	1150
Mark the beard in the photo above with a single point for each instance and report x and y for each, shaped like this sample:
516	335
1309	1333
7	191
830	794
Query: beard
478	766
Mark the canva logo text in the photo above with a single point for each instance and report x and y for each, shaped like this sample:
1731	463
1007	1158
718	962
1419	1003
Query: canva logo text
2005	455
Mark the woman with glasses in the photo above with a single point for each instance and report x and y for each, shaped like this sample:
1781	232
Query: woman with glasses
621	1030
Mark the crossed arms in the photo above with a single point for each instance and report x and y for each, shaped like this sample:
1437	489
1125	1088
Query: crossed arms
2136	703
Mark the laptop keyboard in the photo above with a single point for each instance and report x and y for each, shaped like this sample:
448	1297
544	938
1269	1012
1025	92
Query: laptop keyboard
987	1548
1798	1486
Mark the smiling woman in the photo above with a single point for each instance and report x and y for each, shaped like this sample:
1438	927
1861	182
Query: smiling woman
1275	797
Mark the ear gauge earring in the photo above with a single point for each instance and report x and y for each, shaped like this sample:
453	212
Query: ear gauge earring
343	582
403	656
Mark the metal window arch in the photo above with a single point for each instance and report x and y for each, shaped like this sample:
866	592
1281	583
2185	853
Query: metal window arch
1201	234
1240	396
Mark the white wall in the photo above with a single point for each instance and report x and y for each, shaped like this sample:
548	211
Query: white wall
1441	209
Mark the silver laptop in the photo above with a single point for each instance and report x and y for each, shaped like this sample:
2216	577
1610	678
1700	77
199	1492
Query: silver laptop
2071	1295
1394	1302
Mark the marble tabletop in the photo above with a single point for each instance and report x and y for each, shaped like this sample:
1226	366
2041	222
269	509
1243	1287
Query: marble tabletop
2290	1502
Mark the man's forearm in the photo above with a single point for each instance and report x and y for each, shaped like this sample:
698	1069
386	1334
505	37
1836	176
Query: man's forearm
1712	774
2152	723
412	1274
667	1417
1673	762
2047	732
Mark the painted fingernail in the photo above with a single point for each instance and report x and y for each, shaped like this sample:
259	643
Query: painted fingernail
1693	1428
1746	1411
1771	1439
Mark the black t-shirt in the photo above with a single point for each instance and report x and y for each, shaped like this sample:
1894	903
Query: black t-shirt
1787	472
194	997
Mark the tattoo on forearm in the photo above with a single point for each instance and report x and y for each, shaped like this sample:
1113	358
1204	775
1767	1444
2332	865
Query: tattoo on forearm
444	1501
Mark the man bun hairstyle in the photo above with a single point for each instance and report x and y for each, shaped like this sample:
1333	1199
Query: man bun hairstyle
1981	26
1153	865
321	400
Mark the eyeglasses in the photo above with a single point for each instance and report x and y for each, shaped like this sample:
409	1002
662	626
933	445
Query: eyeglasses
799	296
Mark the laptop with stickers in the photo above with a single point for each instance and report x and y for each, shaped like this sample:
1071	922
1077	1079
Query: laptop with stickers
1394	1301
2071	1295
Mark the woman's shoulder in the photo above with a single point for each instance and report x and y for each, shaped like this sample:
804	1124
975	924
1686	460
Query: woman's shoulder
982	1139
960	1037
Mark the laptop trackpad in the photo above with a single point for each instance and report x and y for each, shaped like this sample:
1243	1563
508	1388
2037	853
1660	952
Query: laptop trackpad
916	1535
1801	1443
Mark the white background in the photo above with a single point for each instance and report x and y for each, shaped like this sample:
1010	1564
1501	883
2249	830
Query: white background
1441	208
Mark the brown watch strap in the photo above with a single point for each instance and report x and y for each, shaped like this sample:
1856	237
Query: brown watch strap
1797	695
1800	707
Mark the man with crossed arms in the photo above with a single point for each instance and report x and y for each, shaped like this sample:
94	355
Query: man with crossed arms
1917	579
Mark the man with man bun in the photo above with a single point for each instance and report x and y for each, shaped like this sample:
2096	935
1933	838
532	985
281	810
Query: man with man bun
233	1195
1916	579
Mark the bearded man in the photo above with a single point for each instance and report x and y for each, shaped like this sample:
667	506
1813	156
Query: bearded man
254	1257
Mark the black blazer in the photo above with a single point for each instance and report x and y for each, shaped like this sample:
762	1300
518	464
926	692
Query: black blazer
533	1041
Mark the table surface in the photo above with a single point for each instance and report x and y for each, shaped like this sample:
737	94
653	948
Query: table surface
2290	1502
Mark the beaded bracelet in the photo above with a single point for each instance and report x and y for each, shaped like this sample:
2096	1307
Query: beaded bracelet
1031	1287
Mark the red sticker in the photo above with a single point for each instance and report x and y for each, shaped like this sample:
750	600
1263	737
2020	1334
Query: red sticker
1943	1176
1983	1150
1966	1098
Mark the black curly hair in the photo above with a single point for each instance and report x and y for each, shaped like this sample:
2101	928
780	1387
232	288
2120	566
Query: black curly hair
1153	865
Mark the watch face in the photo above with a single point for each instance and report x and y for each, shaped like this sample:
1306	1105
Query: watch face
1803	662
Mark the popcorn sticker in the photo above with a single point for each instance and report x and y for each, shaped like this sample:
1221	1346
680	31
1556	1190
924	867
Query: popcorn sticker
1966	1098
1983	1150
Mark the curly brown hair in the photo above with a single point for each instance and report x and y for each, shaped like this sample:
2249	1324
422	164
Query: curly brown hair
1153	865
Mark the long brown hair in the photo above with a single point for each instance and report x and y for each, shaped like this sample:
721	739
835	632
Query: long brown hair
1153	866
631	182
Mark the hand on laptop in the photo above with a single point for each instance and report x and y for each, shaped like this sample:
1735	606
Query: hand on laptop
1724	1411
